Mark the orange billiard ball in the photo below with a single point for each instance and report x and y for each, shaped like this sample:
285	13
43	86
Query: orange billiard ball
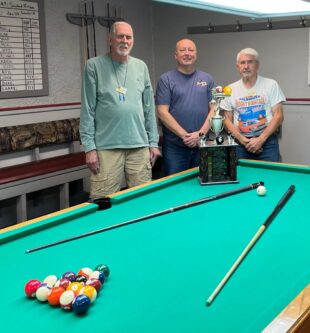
54	295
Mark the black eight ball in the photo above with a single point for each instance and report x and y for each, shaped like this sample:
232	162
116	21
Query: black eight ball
219	140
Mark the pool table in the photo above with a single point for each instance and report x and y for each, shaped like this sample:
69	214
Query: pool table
163	269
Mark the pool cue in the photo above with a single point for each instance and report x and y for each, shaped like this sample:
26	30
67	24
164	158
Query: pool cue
94	28
83	35
109	22
247	249
146	217
86	20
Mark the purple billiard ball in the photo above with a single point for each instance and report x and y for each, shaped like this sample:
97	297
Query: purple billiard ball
69	276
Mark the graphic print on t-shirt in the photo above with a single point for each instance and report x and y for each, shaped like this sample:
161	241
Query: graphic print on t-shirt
251	115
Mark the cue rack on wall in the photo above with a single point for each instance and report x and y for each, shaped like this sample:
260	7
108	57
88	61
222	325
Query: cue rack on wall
86	19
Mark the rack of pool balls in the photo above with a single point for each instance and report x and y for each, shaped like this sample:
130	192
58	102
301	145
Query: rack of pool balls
72	291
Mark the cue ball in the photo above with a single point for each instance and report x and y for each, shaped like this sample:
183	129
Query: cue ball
261	190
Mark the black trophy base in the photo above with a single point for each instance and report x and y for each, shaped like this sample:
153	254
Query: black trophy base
218	164
216	182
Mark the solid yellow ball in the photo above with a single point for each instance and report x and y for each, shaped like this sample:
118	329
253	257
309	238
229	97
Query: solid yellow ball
227	90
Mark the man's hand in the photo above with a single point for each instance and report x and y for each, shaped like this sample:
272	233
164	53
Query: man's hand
191	139
92	161
154	154
254	145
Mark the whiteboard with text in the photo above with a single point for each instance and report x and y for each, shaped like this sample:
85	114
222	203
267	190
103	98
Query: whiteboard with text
23	55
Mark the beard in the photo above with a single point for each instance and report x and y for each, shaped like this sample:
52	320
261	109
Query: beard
123	50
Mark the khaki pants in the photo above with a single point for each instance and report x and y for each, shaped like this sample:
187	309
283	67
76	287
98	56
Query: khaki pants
134	162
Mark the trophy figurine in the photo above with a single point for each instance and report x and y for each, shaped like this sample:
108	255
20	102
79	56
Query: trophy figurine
217	121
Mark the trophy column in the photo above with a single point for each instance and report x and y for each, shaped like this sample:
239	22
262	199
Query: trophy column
218	162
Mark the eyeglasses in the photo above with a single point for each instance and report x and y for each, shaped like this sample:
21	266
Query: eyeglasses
247	62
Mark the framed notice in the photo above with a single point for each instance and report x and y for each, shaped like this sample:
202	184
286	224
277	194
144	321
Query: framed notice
309	59
23	58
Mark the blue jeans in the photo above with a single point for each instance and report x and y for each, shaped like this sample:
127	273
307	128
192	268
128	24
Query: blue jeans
177	158
270	151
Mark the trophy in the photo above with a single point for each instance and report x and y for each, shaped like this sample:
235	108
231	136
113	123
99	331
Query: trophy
217	121
218	162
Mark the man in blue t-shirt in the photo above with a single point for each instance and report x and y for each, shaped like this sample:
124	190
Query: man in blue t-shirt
183	98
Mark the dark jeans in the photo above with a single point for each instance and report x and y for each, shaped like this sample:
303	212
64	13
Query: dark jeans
178	158
270	151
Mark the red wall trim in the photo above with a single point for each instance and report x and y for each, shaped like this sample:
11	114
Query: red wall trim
298	99
31	107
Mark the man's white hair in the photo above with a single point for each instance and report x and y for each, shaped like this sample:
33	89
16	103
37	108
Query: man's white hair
248	51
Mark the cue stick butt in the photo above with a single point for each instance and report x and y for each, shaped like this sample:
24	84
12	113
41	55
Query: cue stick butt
235	265
279	205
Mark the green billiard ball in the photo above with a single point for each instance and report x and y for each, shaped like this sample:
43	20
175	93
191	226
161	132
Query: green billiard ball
103	268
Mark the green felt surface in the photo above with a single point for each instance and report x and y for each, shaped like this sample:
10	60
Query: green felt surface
164	269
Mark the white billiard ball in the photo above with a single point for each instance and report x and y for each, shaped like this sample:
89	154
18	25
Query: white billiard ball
261	190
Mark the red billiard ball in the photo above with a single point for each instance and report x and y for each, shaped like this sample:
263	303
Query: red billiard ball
31	288
54	296
63	283
219	89
94	283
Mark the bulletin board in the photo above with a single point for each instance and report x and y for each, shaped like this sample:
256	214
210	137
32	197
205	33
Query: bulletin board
23	56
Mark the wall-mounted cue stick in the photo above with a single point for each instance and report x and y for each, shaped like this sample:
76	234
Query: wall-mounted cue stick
247	249
86	29
146	217
84	54
94	28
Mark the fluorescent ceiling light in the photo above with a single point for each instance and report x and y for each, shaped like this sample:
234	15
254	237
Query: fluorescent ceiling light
250	8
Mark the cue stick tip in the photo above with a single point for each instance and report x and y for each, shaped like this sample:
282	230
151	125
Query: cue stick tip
209	301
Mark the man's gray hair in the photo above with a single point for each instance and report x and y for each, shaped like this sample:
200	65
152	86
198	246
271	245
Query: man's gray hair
114	25
248	51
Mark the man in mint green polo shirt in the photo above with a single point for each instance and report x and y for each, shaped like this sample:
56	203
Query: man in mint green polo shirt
118	125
